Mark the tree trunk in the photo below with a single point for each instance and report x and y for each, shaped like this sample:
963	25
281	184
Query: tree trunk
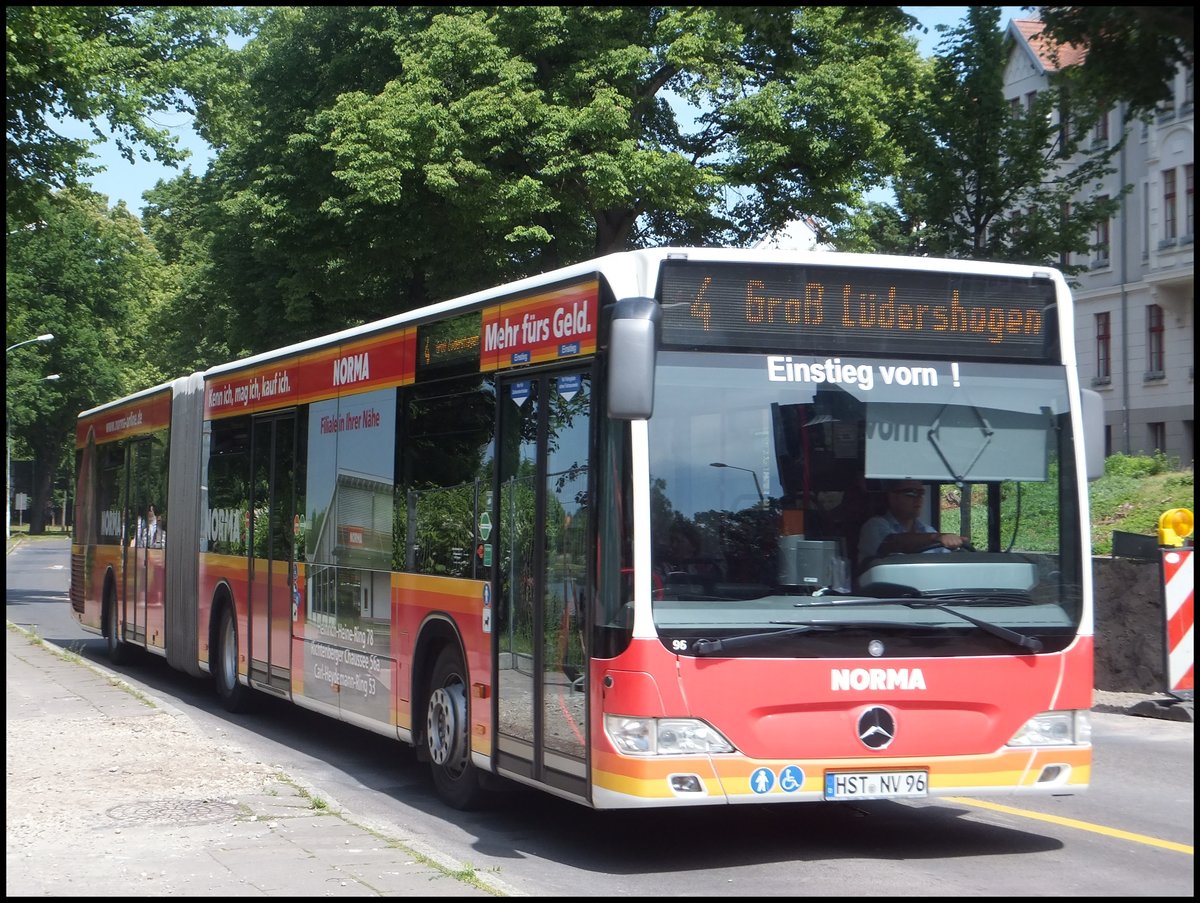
612	230
41	498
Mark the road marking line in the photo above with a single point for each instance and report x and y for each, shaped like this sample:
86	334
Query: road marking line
1081	825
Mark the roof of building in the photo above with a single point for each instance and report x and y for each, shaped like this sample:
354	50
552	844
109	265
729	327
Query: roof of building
1052	57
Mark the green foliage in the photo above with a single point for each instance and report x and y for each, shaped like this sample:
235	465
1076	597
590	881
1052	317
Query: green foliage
386	157
982	182
112	67
195	326
1158	38
1133	504
1131	496
90	276
1133	493
1120	465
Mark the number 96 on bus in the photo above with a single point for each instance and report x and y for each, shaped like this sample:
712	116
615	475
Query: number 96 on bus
875	785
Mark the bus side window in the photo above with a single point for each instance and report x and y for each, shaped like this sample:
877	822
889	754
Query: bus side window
445	479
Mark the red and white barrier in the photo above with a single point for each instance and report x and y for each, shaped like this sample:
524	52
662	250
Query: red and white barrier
1179	589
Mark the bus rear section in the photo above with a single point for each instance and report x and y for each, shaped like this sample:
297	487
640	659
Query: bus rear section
118	552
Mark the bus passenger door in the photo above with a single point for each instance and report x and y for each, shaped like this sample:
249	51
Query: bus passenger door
271	559
140	517
544	577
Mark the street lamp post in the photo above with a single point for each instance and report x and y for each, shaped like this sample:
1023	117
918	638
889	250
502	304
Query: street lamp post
47	337
757	485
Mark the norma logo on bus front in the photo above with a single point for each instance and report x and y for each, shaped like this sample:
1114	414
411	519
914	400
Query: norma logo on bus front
877	679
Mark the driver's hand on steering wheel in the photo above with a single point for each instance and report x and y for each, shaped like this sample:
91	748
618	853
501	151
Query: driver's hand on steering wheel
953	540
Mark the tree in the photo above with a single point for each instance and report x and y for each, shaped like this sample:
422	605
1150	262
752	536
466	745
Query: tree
1132	51
104	65
194	324
388	157
984	181
88	275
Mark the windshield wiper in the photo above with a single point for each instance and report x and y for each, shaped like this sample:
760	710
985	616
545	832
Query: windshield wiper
711	647
1033	644
983	597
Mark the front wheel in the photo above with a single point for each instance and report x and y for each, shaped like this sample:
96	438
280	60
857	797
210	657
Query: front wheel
448	734
235	697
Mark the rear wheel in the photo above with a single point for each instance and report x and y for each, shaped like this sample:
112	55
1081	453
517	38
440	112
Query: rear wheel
234	696
118	652
448	733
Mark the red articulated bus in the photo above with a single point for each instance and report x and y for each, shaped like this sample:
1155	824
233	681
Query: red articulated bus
600	531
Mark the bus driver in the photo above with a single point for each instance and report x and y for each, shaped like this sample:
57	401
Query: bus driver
899	530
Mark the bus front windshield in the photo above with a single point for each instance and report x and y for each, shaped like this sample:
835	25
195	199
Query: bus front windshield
765	468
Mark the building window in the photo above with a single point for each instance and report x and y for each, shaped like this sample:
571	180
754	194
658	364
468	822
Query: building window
1100	133
1158	437
1103	347
1155	350
1189	200
1065	133
1014	107
1030	101
1166	109
1064	257
1145	221
1101	240
1169	222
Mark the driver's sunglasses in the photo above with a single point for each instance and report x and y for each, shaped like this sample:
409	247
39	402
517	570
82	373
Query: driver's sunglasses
910	493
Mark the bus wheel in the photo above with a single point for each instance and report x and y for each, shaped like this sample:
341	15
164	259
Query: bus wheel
234	696
447	734
118	652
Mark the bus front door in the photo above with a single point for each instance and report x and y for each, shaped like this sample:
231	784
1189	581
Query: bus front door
272	555
543	577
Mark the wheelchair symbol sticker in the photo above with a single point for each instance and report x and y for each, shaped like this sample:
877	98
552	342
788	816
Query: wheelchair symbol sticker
762	780
791	779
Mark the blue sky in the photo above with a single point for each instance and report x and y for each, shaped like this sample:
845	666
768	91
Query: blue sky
127	181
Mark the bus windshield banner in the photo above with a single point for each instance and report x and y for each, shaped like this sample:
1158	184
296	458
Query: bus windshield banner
840	309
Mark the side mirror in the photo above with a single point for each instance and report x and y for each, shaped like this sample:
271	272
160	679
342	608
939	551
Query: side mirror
632	353
1093	433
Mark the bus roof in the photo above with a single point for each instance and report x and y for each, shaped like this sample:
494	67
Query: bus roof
629	274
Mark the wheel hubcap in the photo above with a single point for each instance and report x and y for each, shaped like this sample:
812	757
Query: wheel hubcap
446	727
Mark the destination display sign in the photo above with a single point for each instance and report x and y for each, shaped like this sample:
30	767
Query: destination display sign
839	309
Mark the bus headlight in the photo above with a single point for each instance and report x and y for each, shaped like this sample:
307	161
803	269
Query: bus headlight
1071	728
664	736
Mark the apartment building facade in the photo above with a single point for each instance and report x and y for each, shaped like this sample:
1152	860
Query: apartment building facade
1134	302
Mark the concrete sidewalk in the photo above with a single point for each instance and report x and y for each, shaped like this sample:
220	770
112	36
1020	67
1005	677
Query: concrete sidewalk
98	805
